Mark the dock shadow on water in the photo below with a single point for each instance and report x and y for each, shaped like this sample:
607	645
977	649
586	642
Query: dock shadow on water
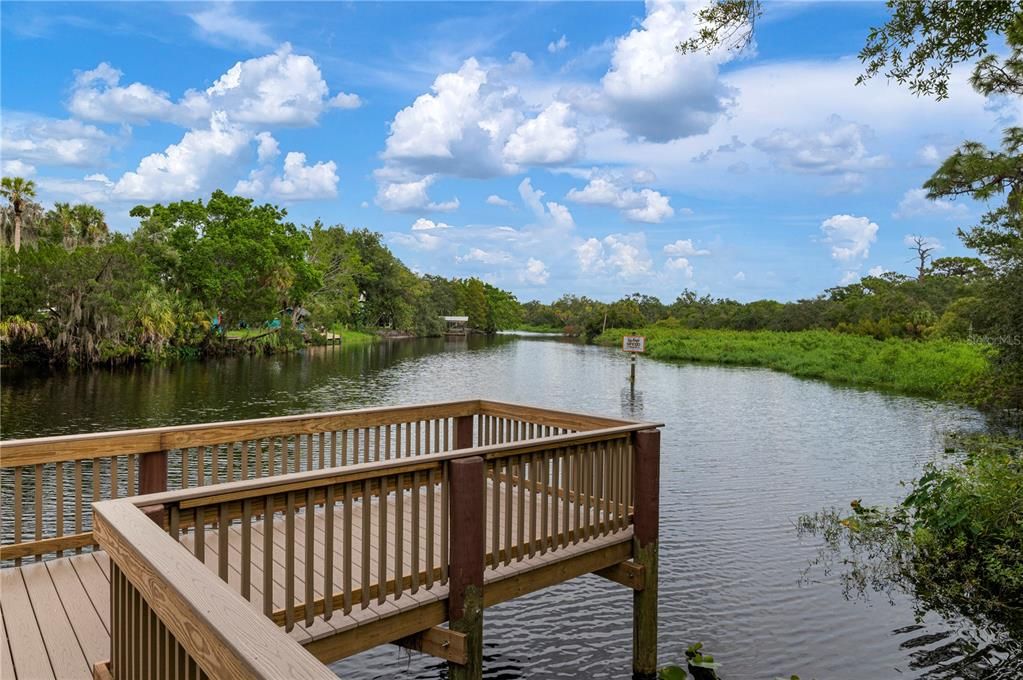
745	452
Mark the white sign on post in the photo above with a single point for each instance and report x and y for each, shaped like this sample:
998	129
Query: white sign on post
634	343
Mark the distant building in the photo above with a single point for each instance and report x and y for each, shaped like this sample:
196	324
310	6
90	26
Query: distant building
455	325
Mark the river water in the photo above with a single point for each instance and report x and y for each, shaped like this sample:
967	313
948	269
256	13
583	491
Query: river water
744	453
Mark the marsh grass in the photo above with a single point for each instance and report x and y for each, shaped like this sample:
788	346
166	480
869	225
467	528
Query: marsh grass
941	369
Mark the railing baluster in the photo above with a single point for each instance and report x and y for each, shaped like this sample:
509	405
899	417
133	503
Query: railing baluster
223	546
415	527
566	482
347	560
399	536
521	510
495	514
245	458
534	499
382	494
444	538
367	518
328	545
59	487
268	555
552	498
38	493
310	555
289	562
174	523
199	522
430	525
246	531
509	494
257	464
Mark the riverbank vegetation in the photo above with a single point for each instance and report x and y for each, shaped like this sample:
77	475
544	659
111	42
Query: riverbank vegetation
955	543
938	368
204	278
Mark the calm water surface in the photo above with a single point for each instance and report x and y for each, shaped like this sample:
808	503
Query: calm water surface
745	452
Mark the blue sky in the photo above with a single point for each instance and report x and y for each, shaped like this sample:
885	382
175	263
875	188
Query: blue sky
544	147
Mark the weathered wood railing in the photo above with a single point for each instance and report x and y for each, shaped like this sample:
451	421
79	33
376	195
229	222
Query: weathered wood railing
47	485
303	549
172	620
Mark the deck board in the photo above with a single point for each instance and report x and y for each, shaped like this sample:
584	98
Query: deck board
27	648
56	615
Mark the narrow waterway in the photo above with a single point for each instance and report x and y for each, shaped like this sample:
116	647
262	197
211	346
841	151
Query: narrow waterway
745	452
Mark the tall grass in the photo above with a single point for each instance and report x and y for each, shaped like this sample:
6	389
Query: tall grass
941	369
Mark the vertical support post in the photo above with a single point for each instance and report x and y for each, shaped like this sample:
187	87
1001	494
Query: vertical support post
467	513
463	432
153	479
646	486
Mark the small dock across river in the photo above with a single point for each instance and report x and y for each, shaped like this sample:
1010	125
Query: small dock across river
268	548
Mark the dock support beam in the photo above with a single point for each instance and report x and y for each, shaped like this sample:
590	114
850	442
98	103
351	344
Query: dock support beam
463	432
467	512
153	479
646	488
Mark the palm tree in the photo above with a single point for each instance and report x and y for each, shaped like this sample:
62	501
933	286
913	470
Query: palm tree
17	190
64	217
90	224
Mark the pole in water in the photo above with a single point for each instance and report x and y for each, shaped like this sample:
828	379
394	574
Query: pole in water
632	373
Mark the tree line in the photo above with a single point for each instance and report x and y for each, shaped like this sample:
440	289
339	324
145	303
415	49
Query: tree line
74	292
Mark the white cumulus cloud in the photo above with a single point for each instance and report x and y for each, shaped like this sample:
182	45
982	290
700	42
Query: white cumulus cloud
535	272
411	196
838	148
624	255
850	236
423	224
684	248
645	205
915	203
189	167
52	141
552	213
655	93
548	139
557	45
494	199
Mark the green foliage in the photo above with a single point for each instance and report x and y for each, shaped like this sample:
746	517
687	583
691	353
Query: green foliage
924	39
223	275
700	665
955	542
727	23
933	368
237	258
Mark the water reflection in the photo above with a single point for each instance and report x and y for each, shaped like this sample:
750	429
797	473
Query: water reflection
745	452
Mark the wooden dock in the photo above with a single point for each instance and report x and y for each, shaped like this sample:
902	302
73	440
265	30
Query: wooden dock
321	536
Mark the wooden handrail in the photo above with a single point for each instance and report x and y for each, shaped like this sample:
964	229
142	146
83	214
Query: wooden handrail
18	452
144	461
301	481
214	625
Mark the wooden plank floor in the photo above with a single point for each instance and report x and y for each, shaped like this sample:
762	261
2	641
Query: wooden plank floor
55	619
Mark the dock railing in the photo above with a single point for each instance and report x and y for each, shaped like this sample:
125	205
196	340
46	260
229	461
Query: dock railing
49	483
284	535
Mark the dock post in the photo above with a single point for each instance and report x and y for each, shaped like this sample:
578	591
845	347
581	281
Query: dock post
467	513
463	432
646	487
153	479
